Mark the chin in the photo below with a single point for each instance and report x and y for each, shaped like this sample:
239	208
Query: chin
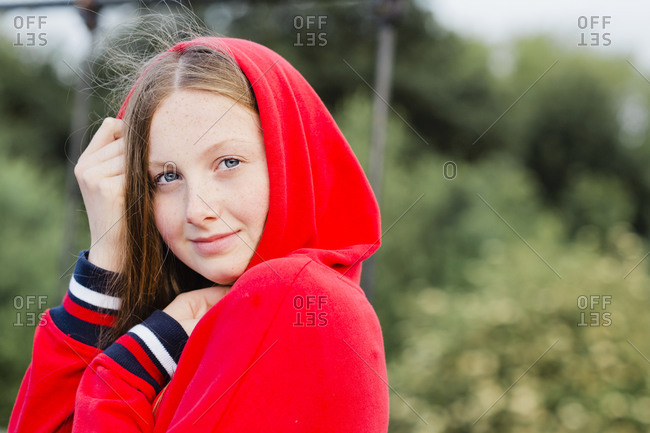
219	270
223	281
221	277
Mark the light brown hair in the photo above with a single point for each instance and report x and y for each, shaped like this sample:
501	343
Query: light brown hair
151	276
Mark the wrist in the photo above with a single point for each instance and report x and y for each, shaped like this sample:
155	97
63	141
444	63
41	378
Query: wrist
107	260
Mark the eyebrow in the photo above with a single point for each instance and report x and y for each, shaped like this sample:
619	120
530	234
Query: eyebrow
208	149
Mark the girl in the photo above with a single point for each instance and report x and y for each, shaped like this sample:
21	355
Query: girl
242	220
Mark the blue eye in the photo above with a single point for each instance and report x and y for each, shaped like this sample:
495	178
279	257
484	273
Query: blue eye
231	162
169	176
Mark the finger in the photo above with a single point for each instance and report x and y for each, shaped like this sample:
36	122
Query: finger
105	153
189	325
111	150
211	295
113	167
109	130
119	128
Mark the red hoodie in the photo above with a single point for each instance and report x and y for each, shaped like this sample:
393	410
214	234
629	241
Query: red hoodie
293	347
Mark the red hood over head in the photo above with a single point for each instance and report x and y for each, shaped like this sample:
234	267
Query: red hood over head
320	198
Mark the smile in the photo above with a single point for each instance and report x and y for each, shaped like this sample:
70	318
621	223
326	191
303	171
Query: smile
214	244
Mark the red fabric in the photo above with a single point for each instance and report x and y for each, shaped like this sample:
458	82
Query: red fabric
47	394
86	314
294	346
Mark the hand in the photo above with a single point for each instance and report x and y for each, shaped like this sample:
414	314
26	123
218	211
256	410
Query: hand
100	173
189	307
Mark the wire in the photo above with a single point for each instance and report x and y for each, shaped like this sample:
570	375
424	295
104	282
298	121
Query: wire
9	4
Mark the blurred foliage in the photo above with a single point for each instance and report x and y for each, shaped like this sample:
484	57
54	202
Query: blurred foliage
32	95
471	358
479	275
31	227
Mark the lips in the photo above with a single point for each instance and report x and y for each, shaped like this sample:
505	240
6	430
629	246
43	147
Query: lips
214	244
213	237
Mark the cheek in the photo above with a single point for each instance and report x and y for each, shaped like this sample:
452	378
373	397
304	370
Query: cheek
166	218
250	202
259	200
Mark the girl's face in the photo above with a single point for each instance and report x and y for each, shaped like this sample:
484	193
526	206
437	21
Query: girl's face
207	161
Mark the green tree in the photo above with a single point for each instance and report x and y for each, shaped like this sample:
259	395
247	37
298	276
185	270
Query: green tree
31	221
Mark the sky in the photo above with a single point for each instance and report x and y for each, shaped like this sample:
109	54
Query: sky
606	27
570	22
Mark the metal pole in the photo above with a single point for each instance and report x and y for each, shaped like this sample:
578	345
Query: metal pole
389	11
383	73
78	126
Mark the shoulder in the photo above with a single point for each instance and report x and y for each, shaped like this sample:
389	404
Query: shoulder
302	277
280	272
304	293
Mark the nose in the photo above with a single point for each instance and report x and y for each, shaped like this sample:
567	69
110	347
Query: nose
201	207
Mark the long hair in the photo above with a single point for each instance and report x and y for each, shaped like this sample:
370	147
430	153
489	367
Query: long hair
151	276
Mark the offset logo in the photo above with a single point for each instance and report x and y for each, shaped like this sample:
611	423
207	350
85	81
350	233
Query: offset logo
310	30
309	310
593	31
593	310
449	170
23	304
29	31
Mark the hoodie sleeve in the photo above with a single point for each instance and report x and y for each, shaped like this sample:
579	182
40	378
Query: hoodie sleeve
65	342
117	390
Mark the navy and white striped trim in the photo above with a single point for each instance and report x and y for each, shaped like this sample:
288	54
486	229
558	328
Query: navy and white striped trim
91	297
156	347
151	350
86	309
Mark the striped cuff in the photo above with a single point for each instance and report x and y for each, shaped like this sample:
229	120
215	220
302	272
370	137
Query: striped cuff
86	308
151	349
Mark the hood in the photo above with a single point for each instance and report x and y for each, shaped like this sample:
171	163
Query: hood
321	203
